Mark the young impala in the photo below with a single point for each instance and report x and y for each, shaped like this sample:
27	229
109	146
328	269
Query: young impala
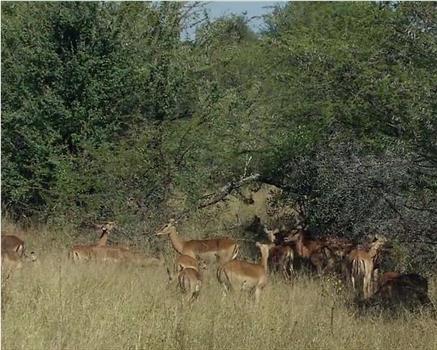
243	275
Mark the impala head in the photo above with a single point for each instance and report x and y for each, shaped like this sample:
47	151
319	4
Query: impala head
271	234
379	241
108	226
167	228
294	236
31	256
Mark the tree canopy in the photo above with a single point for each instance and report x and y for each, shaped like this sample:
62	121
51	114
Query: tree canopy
332	102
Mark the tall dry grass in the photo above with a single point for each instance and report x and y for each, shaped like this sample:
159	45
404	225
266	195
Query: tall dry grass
55	304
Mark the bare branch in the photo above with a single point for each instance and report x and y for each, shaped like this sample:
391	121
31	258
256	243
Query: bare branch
226	190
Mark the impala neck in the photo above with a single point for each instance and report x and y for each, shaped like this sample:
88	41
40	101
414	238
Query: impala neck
300	246
264	258
373	251
176	242
103	238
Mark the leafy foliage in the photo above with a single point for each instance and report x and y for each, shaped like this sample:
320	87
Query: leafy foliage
107	113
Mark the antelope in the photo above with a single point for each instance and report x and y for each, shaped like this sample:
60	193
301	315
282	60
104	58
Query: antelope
106	228
245	275
190	281
338	245
189	277
280	256
313	250
12	243
185	261
360	265
83	252
122	255
207	249
12	249
281	259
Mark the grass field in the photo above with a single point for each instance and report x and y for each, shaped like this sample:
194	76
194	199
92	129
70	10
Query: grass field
54	304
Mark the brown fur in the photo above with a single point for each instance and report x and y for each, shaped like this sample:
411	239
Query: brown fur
121	255
360	267
311	249
281	259
206	249
86	252
338	245
190	282
12	243
243	275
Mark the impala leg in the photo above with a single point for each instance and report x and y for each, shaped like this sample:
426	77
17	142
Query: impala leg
257	295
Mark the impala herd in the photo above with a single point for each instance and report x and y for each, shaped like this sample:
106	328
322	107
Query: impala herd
286	250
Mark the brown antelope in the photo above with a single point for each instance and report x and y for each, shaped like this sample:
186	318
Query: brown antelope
109	254
206	249
338	245
281	259
281	254
311	249
85	252
190	282
12	249
189	276
243	275
106	229
185	261
12	243
360	265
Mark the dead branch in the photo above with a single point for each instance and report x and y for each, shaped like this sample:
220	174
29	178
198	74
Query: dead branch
226	190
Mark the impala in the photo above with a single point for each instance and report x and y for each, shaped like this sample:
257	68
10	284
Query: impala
360	265
281	253
122	255
106	228
311	249
206	249
281	259
185	261
12	243
83	252
243	275
338	245
190	282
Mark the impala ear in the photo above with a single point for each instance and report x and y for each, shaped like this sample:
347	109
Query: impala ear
258	244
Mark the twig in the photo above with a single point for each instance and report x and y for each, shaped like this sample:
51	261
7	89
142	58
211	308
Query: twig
332	320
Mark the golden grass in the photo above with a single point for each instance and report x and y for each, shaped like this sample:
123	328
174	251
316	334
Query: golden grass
55	304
